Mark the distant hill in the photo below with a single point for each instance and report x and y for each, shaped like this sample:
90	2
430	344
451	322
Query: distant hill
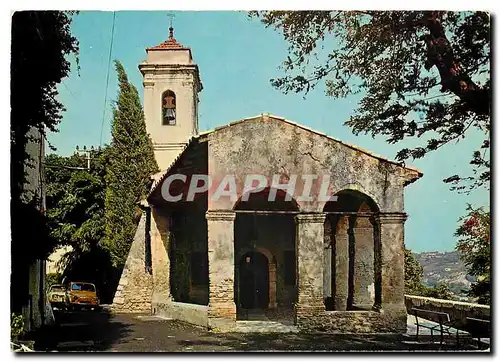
445	268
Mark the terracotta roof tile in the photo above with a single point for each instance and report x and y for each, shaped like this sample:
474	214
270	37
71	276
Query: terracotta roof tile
171	43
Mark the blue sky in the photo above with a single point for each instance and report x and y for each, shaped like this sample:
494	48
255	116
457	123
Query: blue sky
237	57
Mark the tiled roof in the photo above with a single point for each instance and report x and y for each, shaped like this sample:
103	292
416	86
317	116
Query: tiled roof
170	44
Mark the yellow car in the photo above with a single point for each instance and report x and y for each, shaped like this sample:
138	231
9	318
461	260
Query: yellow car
57	296
82	295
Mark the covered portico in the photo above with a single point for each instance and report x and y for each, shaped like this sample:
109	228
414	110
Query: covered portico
330	249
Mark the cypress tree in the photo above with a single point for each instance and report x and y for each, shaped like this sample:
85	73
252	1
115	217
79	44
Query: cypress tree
131	163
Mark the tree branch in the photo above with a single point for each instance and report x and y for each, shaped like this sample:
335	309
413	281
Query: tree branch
453	76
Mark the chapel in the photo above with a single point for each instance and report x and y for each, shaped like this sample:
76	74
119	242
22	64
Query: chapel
320	246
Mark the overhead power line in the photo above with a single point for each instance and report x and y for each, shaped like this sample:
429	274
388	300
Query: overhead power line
107	76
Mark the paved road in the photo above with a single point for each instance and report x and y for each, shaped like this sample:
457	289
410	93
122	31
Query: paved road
101	331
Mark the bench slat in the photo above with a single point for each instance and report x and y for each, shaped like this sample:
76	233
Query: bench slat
438	317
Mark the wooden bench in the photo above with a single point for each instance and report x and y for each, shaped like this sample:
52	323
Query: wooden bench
478	328
442	319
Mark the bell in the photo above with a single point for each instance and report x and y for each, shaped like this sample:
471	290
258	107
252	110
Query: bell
169	114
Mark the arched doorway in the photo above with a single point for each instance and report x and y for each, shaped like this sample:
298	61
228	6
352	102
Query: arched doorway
254	281
264	242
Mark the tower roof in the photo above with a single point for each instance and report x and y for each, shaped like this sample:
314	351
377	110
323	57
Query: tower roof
170	44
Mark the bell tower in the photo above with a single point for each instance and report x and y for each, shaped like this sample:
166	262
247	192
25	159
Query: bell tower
171	86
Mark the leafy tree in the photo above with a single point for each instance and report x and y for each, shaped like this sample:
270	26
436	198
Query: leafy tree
75	207
439	291
420	73
53	278
75	200
474	247
413	280
413	274
41	41
131	162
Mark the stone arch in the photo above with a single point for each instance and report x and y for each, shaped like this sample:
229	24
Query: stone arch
256	232
355	188
350	242
168	108
261	197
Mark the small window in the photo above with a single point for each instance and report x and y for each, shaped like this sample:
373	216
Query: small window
168	108
289	267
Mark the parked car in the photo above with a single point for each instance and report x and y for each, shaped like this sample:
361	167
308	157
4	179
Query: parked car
57	296
82	295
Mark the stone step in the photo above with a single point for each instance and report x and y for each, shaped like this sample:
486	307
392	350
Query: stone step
264	327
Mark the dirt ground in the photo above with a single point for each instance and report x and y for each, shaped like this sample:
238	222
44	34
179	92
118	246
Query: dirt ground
105	332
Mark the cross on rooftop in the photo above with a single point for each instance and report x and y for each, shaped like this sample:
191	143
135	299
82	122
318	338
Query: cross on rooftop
171	29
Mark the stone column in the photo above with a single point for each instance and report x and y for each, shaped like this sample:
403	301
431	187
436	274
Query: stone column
391	226
221	307
272	286
364	291
327	263
309	251
341	263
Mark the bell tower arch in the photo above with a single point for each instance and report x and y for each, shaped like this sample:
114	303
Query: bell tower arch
171	87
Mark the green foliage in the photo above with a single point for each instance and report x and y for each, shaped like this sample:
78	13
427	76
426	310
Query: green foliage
420	74
131	163
75	206
413	280
52	278
440	291
41	41
16	326
75	200
413	274
474	247
181	277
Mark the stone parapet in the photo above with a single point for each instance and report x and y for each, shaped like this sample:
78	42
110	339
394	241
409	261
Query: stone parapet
344	322
458	311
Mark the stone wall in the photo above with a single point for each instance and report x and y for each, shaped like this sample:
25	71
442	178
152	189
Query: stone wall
135	289
458	311
268	145
159	256
341	322
191	313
